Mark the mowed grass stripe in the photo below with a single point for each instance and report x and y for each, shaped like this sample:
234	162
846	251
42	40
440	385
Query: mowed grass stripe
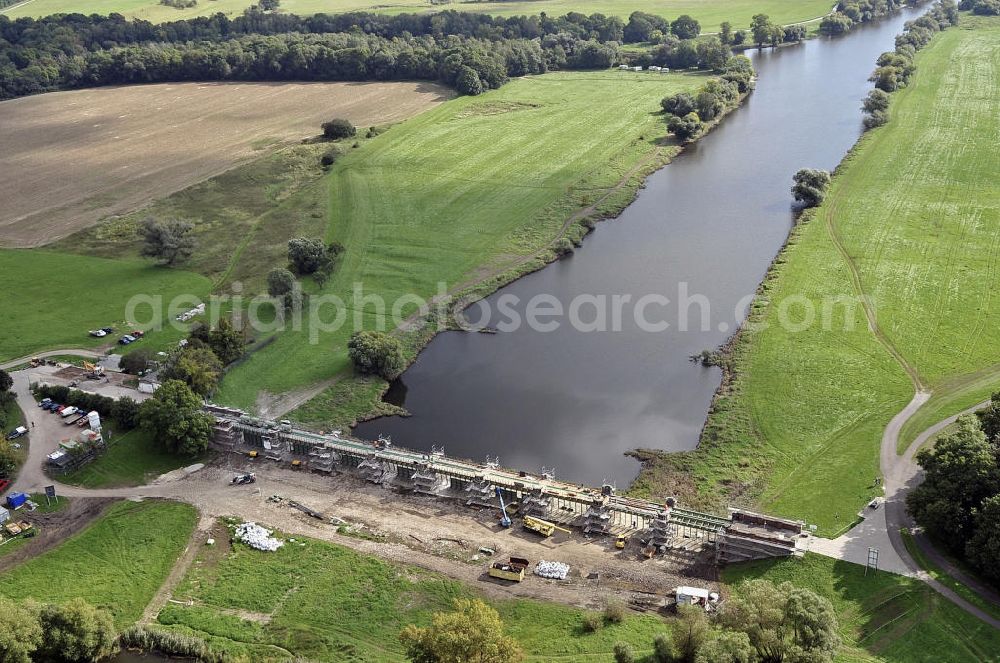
477	181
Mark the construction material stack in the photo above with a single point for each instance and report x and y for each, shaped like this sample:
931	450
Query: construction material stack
597	519
535	503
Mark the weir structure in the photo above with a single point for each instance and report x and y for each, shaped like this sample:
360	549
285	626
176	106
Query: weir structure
739	536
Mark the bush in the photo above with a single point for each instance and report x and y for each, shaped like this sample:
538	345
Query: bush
663	650
562	247
338	128
136	361
623	653
76	631
686	127
378	353
875	119
329	157
468	82
987	8
592	622
810	186
614	612
679	104
171	644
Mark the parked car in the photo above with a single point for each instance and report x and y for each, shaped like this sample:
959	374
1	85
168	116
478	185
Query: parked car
4	484
99	333
51	407
108	330
137	334
17	432
44	402
59	408
125	340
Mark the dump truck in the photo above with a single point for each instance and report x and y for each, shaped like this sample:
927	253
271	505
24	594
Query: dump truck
620	541
512	569
543	527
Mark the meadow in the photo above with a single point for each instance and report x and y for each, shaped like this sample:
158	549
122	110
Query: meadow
710	13
913	216
478	183
883	617
328	603
118	562
51	300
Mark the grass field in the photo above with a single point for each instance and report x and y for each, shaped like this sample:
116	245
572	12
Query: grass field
916	209
118	562
132	459
709	12
885	617
438	198
51	299
328	603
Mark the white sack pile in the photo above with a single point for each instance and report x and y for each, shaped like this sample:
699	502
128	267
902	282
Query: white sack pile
554	570
257	537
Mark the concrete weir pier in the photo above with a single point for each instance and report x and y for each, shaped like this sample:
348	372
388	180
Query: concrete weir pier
740	536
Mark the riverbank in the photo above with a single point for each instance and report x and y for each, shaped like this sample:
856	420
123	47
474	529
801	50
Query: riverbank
795	428
603	190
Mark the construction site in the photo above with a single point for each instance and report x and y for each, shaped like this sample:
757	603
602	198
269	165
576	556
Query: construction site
540	506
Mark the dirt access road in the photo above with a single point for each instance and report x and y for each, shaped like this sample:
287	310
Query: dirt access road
72	158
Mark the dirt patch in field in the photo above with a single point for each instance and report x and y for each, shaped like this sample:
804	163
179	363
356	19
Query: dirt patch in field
73	158
54	528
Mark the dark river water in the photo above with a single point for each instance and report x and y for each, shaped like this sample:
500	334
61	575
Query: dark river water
703	230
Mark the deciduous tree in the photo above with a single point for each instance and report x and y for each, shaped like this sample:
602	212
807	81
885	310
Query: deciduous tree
20	633
784	622
810	186
378	353
169	241
689	632
472	633
174	416
685	27
196	366
727	647
76	632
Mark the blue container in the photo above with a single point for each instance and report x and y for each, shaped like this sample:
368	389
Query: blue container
15	500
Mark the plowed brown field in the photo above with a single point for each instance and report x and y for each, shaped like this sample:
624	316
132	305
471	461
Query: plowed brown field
71	158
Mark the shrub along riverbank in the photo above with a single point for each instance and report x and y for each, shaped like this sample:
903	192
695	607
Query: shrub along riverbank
796	427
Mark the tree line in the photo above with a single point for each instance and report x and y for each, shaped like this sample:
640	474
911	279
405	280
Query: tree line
894	68
470	52
958	504
852	12
761	623
687	114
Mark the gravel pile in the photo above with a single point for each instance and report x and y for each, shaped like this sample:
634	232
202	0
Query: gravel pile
554	570
257	537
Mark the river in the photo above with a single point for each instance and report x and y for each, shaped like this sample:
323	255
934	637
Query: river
707	224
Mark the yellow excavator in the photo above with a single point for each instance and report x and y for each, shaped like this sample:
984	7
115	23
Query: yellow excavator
96	372
543	527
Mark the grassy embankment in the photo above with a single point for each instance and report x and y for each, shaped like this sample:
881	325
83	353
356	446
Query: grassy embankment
118	562
328	603
916	211
53	299
478	183
945	578
710	14
885	617
132	459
